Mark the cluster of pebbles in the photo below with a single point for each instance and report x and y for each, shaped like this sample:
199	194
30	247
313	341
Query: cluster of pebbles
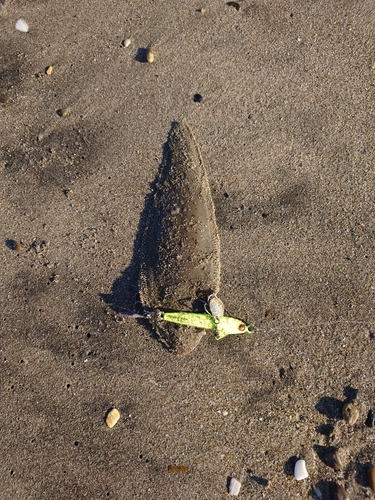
334	457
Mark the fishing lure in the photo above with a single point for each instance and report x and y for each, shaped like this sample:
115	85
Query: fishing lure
225	326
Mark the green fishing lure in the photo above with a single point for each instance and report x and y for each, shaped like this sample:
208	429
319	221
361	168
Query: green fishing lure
225	325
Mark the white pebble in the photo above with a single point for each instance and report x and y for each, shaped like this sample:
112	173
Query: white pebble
234	487
300	471
21	25
225	413
126	42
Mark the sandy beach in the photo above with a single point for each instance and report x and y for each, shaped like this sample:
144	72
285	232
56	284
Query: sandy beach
280	97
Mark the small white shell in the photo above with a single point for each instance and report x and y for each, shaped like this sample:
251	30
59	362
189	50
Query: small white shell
300	471
126	42
234	487
21	25
216	306
112	417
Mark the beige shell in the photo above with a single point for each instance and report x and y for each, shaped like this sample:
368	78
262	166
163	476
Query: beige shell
49	70
112	418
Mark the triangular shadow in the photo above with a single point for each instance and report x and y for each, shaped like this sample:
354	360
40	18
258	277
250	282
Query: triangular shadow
125	289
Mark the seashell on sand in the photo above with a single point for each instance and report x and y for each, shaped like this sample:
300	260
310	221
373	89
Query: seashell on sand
300	471
22	25
234	487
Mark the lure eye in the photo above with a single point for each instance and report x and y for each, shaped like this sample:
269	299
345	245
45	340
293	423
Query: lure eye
241	327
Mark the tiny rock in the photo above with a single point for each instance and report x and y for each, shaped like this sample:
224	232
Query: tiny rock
112	418
150	55
350	413
62	112
300	471
49	70
371	477
21	25
234	487
126	42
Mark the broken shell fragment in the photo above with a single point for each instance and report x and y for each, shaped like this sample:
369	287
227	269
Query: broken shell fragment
112	418
300	471
150	55
22	25
350	413
49	70
234	487
341	493
336	462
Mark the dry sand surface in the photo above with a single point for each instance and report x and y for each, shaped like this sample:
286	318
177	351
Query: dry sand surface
286	130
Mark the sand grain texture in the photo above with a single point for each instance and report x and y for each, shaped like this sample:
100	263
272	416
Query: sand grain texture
286	130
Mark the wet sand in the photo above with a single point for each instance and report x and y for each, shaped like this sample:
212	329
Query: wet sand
286	130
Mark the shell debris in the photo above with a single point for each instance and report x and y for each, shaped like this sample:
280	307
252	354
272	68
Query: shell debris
341	493
22	25
126	42
300	471
112	418
49	70
350	413
234	487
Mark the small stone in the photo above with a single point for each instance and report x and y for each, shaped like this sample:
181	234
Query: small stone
4	99
197	98
21	25
112	418
49	70
150	55
202	11
300	471
126	42
62	112
225	413
350	413
371	477
234	487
